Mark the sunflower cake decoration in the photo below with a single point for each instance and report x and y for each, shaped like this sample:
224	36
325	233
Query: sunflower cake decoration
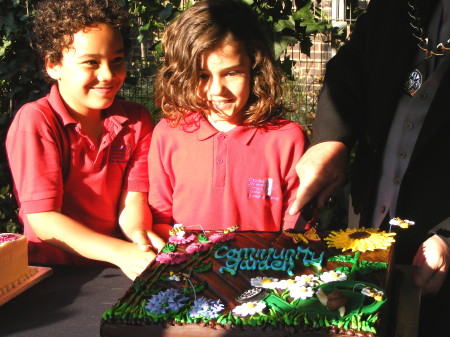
360	239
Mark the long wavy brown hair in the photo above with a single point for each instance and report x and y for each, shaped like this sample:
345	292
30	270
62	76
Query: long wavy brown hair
57	21
203	27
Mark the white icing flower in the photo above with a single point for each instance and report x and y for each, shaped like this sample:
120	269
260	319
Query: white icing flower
264	282
333	275
285	284
249	308
307	280
302	292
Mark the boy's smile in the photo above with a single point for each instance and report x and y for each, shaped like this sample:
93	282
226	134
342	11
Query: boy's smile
225	84
92	70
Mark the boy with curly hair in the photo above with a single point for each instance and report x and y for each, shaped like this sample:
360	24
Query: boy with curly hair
79	156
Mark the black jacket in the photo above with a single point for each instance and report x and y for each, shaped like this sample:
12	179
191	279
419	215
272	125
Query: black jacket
363	83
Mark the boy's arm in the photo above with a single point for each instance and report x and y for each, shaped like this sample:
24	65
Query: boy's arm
70	235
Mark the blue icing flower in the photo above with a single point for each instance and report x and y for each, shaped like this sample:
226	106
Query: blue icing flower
166	301
206	308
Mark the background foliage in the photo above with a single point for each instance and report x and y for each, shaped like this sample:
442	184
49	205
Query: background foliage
21	80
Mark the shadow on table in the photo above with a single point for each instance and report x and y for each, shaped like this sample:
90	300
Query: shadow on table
69	302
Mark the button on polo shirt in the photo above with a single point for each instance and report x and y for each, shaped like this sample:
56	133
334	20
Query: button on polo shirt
55	166
221	151
206	179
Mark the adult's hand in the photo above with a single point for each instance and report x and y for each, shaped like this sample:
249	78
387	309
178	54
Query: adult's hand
321	170
433	261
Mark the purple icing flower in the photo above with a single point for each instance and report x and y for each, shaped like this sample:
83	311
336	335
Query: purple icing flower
221	237
181	240
166	301
171	258
197	247
6	237
206	308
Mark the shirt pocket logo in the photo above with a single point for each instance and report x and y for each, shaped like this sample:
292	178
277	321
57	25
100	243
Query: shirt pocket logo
261	189
120	153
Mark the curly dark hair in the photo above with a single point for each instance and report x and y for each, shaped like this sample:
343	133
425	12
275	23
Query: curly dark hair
201	28
57	21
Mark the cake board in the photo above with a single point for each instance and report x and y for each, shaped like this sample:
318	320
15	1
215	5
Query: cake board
42	273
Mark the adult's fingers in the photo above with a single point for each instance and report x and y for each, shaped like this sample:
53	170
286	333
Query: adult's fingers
321	170
433	260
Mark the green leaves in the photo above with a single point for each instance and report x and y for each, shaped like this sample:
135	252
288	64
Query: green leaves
288	23
20	82
203	267
288	27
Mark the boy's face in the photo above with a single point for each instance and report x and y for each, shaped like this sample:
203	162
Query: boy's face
225	82
91	71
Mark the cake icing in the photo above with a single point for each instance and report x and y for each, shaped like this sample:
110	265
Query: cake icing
14	268
249	283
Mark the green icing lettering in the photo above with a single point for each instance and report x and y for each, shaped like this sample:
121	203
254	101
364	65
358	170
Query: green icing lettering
218	253
247	253
270	253
289	267
232	266
276	265
278	255
261	254
233	254
248	265
263	265
266	259
309	259
290	255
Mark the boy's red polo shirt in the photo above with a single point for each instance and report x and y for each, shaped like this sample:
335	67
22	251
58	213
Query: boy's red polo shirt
55	166
203	178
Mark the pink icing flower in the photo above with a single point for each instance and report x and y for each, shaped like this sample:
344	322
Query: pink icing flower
197	247
181	240
171	258
6	237
221	237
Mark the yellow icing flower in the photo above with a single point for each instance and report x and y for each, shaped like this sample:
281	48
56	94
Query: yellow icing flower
361	239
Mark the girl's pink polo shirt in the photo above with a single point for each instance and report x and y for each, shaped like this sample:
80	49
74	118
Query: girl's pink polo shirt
203	178
54	165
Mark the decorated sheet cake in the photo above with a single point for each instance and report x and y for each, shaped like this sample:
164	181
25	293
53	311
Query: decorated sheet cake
236	283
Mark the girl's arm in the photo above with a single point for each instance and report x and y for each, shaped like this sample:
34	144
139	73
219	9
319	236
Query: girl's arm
135	220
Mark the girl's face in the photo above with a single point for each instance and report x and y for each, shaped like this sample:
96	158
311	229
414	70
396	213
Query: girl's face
92	70
225	84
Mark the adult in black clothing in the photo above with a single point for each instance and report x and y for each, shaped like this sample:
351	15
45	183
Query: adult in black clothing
387	92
